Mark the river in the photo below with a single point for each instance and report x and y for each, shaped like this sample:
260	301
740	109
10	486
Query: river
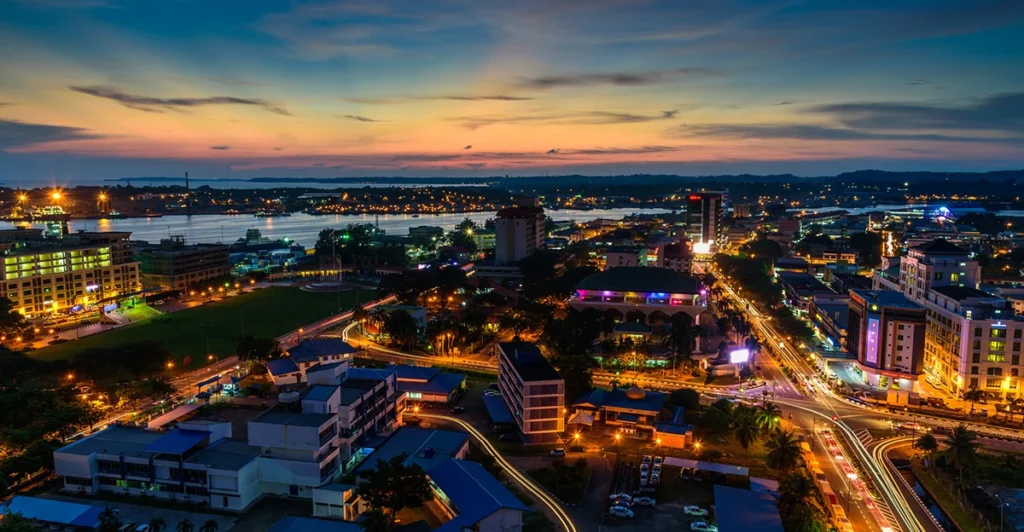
304	228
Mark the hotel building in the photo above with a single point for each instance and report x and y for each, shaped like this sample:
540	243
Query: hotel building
886	333
533	391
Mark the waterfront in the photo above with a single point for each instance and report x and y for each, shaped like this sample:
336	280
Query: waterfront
303	228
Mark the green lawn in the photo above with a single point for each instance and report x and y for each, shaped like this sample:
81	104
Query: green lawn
268	312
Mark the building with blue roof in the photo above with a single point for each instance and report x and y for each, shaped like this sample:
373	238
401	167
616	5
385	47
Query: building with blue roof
474	499
634	411
426	384
425	447
53	511
314	352
740	510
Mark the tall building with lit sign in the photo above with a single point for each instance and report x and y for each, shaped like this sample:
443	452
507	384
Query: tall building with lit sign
704	221
886	332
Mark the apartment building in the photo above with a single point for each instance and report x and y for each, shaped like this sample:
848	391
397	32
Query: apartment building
887	334
934	264
175	266
533	391
50	276
617	256
518	231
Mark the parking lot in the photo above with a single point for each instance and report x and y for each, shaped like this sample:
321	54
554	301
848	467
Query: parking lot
671	497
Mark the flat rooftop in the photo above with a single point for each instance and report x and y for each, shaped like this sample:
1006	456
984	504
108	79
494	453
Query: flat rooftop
426	447
886	298
529	362
227	455
740	510
283	415
115	440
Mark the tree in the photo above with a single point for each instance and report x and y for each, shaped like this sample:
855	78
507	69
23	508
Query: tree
393	485
783	451
185	525
375	520
66	418
209	526
795	489
763	249
360	315
746	432
256	349
962	451
927	443
157	524
769	416
12	322
401	328
15	522
869	248
577	370
109	521
514	320
687	398
973	395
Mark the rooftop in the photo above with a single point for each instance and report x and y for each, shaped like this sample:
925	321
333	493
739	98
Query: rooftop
632	399
282	366
227	455
641	279
51	511
114	440
886	298
497	409
940	246
442	383
282	414
313	349
740	510
415	373
319	392
474	491
426	447
177	441
961	293
529	362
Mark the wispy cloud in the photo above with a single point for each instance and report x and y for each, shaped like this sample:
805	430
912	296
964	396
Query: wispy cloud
997	112
469	147
444	97
15	134
154	104
592	118
359	118
619	151
815	132
220	148
627	79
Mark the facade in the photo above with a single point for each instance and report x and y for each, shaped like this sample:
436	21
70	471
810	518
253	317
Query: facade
484	239
934	264
741	210
634	411
48	276
832	321
313	354
427	385
533	391
704	218
887	334
676	257
617	256
518	231
175	266
638	293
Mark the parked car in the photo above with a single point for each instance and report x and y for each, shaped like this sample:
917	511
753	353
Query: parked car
655	479
686	473
695	510
619	511
701	526
656	469
509	437
557	453
142	528
698	475
644	469
646	501
657	461
458	409
492	386
646	460
624	496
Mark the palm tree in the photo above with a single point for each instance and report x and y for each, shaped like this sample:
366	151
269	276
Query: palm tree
377	317
973	395
185	525
746	432
795	489
769	416
783	451
963	449
109	520
157	524
360	315
209	526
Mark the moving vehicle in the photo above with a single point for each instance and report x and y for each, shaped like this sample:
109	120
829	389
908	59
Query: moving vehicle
695	510
509	437
701	526
458	409
619	511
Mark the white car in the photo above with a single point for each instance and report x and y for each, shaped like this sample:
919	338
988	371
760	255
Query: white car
657	461
619	511
647	459
624	496
644	469
701	526
656	469
646	501
695	510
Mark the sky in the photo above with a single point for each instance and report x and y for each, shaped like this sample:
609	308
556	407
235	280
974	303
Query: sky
103	89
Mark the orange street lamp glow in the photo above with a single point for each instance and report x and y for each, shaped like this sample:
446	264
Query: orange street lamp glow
71	376
170	365
55	195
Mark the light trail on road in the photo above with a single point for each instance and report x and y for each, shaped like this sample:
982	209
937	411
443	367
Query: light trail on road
548	500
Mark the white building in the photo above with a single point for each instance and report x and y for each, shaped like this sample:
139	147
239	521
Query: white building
533	391
617	256
291	369
518	231
934	264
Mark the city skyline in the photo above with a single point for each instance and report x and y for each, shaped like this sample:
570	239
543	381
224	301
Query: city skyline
107	88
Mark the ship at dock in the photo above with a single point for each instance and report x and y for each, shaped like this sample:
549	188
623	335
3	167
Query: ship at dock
254	242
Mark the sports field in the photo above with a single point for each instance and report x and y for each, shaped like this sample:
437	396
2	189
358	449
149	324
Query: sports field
269	312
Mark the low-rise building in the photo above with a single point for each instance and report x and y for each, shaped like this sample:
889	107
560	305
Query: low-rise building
617	256
173	265
533	391
643	294
427	385
632	411
292	368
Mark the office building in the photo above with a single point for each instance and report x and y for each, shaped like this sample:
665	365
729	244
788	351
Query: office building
533	391
616	256
175	266
426	233
741	210
934	264
58	275
518	231
704	220
485	239
887	334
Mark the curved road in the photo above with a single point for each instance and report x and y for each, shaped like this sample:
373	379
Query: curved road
535	490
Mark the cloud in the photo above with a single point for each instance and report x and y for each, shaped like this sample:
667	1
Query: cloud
469	147
619	151
3	104
358	118
813	132
220	148
553	151
278	148
443	97
155	105
920	82
788	102
590	118
627	79
997	112
18	134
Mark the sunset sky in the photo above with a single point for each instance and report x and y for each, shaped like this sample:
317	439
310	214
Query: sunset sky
119	88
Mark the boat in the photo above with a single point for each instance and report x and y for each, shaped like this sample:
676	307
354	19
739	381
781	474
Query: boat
270	214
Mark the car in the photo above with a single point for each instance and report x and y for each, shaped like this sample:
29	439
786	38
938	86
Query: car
643	481
619	511
458	409
509	437
646	460
701	526
698	475
622	502
656	469
695	510
128	528
159	302
909	425
686	473
624	496
655	479
646	501
657	461
644	469
557	453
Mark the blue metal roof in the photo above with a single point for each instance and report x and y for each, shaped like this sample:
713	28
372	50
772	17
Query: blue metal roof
312	350
368	373
617	398
211	380
177	441
473	491
282	366
672	428
292	523
419	373
52	511
497	409
740	510
442	383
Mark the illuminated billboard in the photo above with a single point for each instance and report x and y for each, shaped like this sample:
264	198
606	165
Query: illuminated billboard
871	342
739	356
702	248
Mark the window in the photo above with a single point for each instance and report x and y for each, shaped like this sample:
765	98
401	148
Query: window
1016	334
997	372
993	383
1015	360
414	395
974	383
938	276
77	481
974	370
1016	347
977	330
997	333
976	358
977	344
996	346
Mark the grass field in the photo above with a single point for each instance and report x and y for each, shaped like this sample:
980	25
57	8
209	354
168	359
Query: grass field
268	312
